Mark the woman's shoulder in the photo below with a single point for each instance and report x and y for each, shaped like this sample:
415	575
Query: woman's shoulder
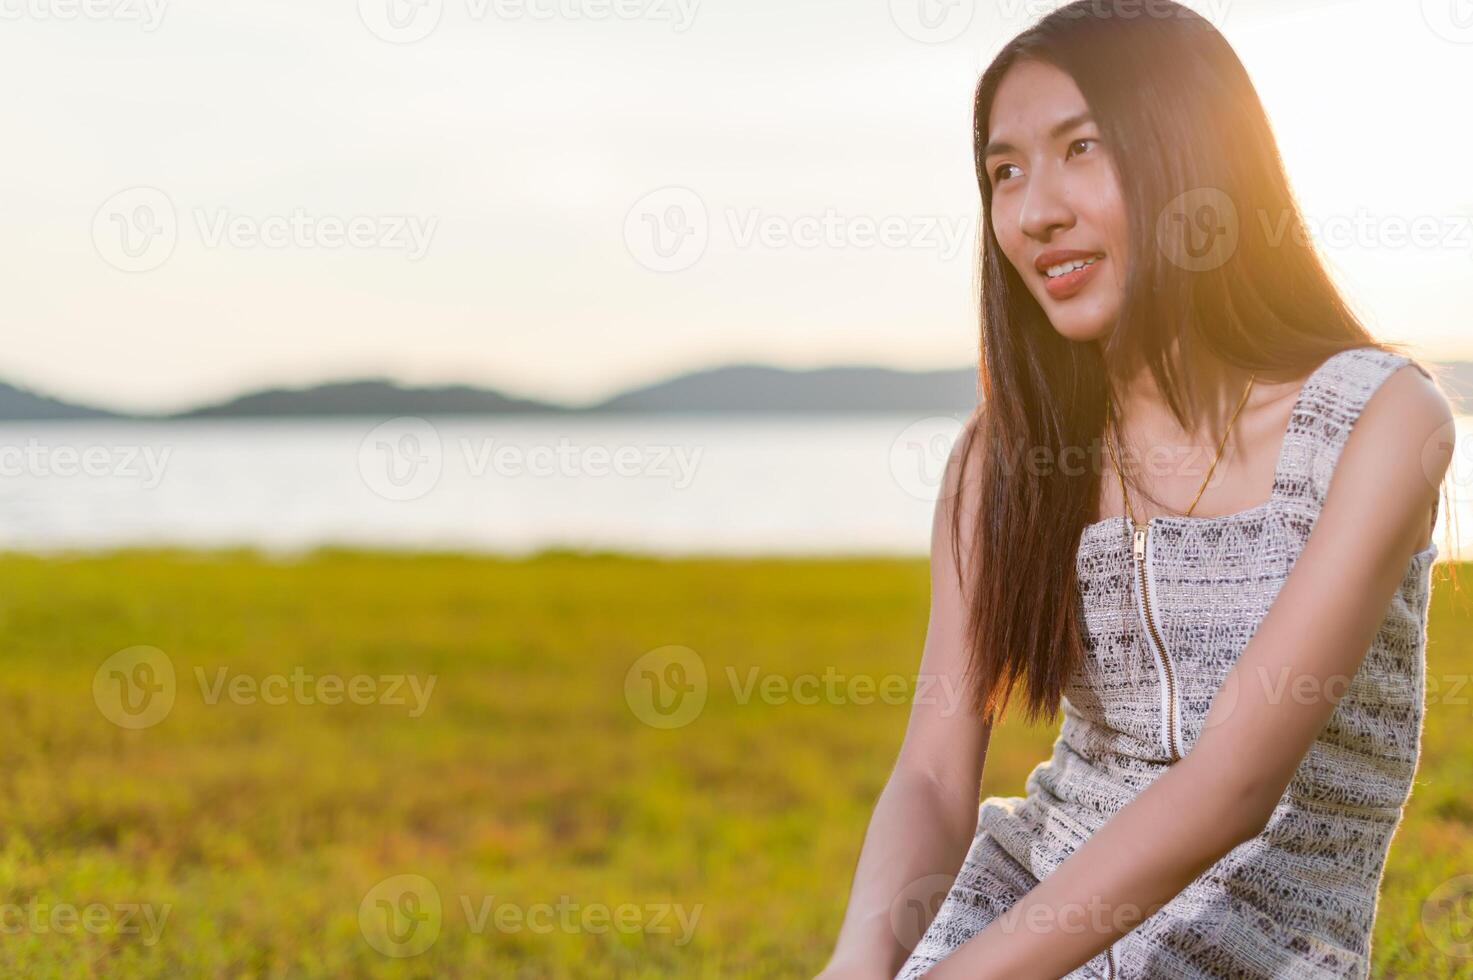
1357	380
1402	398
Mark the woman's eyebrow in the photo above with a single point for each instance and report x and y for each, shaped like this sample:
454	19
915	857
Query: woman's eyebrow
995	147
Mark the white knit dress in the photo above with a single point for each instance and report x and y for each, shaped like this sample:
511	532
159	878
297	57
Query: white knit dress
1299	899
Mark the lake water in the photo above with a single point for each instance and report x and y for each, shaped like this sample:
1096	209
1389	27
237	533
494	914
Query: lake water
710	484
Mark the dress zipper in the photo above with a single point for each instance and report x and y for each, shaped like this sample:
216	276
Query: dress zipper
1143	596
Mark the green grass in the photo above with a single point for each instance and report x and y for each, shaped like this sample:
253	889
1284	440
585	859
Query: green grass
528	780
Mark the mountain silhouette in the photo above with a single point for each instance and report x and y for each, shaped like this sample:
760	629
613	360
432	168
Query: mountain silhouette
732	388
21	404
375	396
753	387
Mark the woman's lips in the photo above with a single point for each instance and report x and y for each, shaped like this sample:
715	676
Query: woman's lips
1071	283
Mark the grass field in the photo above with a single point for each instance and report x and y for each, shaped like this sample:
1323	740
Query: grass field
259	819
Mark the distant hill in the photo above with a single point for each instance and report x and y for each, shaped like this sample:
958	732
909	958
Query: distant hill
750	387
19	405
734	388
376	396
850	389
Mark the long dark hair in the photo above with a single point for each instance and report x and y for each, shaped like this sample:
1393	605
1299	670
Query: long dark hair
1179	116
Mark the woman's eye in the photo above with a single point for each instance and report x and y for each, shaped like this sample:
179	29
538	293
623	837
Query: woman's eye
1085	139
997	176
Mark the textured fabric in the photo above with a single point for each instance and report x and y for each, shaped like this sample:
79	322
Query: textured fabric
1299	899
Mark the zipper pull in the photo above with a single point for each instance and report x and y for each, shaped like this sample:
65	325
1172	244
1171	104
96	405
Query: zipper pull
1139	545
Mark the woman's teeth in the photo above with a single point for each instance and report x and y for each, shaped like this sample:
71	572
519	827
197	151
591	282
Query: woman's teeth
1055	271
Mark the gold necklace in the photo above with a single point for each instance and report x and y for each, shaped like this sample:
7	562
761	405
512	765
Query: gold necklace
1115	460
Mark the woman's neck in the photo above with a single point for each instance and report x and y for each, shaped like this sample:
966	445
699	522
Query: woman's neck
1212	390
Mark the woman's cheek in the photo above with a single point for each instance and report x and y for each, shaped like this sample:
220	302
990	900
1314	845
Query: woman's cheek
1009	244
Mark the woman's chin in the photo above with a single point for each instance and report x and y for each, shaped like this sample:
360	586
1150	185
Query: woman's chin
1081	327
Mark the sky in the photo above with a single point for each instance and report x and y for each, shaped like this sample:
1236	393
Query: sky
562	199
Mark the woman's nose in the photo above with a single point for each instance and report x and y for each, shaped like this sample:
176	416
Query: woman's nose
1045	210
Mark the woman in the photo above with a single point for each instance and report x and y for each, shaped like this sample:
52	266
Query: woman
1242	698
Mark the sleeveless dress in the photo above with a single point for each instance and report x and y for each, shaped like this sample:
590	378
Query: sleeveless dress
1163	629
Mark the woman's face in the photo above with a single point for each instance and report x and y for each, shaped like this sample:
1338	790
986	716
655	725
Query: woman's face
1056	199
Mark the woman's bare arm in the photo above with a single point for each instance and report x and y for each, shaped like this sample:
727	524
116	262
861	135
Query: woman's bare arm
925	817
